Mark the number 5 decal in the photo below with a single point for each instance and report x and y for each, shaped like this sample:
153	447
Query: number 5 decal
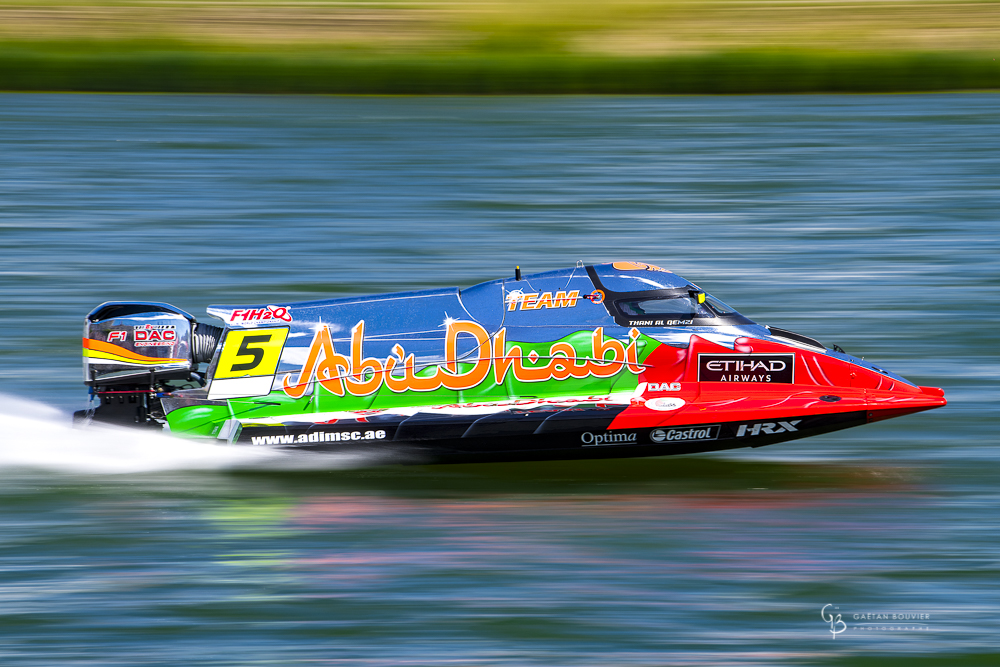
247	363
256	352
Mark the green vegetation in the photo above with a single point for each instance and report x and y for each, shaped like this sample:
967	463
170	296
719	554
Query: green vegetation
499	47
142	68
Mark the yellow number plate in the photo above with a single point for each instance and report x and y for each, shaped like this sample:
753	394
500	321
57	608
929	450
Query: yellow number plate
251	352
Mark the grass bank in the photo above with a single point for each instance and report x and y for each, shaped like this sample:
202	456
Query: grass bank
499	46
123	66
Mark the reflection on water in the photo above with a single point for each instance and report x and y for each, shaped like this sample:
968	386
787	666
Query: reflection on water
863	221
631	561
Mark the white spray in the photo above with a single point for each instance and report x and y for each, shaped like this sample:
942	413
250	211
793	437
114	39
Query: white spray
38	436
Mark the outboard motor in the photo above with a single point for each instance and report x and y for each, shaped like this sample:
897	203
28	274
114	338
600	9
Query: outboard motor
133	353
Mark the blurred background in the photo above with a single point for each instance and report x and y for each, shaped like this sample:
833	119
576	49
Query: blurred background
604	27
867	221
499	46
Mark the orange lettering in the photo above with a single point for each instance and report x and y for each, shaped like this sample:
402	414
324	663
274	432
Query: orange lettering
356	382
454	380
530	373
417	383
321	345
331	371
560	367
632	352
605	367
361	376
564	300
394	383
501	359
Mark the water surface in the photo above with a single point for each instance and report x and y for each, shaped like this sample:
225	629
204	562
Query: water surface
869	222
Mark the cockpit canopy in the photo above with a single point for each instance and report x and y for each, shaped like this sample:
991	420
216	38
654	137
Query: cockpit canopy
639	294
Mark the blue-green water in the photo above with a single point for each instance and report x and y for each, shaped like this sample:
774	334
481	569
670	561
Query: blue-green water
870	222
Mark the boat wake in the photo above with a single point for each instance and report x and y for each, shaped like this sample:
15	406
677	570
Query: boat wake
40	437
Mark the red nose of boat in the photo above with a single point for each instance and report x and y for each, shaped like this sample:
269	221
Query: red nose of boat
902	400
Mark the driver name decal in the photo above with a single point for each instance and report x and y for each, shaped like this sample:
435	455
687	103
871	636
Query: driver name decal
756	368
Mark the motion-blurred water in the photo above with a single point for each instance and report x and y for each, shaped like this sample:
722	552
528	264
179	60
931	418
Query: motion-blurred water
869	222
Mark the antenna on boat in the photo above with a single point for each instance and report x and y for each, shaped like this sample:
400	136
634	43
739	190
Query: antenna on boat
517	273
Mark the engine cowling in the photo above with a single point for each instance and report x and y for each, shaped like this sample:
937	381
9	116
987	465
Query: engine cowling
134	351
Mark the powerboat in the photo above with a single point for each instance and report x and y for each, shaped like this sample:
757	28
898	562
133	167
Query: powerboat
609	360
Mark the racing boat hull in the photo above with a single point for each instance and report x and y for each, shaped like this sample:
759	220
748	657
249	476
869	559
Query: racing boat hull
615	360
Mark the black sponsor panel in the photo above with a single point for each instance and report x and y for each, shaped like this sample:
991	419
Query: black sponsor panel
750	368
